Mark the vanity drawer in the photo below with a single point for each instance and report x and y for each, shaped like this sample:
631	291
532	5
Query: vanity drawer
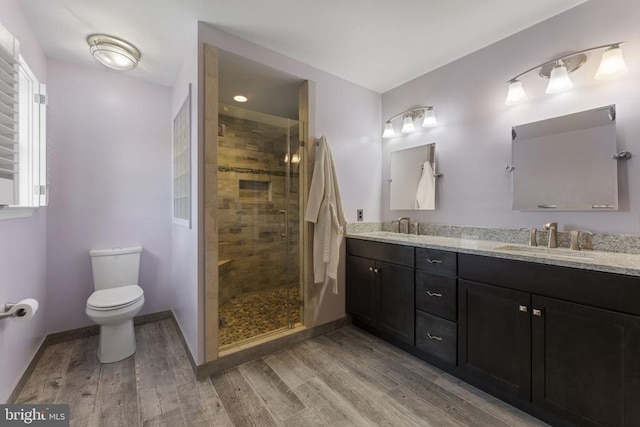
434	261
436	295
436	337
394	254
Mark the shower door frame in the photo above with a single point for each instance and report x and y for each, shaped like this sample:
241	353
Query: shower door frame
206	227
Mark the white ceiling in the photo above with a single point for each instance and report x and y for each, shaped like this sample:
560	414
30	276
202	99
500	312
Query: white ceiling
378	44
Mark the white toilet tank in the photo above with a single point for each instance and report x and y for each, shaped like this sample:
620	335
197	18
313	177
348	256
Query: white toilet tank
116	267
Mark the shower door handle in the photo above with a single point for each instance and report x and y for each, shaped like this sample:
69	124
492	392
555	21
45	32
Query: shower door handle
285	222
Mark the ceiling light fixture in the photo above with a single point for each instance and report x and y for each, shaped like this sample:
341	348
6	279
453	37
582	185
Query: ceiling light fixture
408	120
240	98
557	71
113	52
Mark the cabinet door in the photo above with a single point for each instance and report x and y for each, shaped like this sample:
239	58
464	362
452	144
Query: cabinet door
361	289
396	315
586	363
494	336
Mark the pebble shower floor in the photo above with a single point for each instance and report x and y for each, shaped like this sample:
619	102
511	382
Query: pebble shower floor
249	315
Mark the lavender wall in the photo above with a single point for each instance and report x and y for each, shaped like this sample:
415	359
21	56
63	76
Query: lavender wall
473	139
22	242
349	116
187	307
110	157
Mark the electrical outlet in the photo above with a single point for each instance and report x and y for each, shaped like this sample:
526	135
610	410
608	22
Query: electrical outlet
360	215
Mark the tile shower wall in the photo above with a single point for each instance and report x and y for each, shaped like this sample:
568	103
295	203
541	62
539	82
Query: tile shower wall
253	254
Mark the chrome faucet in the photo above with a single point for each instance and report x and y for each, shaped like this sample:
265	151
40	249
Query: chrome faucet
404	218
553	233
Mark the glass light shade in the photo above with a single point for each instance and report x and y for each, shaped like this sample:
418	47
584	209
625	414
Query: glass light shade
407	124
295	158
240	98
429	118
612	64
388	130
559	80
113	52
516	93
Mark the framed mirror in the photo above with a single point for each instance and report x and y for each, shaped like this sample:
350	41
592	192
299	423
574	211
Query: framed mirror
413	178
565	163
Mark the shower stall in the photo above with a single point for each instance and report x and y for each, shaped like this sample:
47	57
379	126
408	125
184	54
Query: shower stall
259	225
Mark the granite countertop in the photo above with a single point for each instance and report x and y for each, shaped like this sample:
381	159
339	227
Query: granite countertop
610	262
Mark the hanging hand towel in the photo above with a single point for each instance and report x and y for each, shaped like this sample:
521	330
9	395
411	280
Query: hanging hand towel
425	194
325	211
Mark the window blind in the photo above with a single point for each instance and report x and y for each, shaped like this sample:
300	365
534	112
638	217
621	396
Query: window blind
9	123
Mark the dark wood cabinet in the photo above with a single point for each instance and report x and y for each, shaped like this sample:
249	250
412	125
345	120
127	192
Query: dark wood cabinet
562	343
586	363
380	291
571	359
436	313
361	289
494	341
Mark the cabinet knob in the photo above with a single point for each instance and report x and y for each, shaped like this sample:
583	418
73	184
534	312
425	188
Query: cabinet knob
434	337
370	268
537	312
523	308
434	261
434	294
375	270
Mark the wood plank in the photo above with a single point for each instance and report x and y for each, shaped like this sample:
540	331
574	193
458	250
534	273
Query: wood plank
216	413
279	399
375	379
330	407
172	418
373	345
289	369
420	411
49	375
243	405
81	383
178	359
366	400
156	383
117	403
305	418
505	412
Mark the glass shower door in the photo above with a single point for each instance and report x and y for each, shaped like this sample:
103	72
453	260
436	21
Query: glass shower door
258	225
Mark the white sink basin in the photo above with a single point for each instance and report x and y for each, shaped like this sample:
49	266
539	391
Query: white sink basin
549	252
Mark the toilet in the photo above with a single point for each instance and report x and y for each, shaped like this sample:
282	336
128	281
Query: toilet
116	300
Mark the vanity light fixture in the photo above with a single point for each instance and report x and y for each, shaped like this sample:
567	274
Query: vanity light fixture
112	52
408	120
557	71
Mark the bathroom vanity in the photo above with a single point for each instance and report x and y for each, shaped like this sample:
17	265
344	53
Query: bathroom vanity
554	332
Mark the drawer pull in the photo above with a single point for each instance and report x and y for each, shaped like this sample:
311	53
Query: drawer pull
434	294
434	261
524	308
434	337
537	312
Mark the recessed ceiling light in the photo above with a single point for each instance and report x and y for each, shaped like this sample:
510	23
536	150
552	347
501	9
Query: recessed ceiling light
113	52
240	98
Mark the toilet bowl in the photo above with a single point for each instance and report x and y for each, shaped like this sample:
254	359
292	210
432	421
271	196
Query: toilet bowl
116	300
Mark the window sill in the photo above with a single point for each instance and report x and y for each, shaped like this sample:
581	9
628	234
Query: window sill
15	212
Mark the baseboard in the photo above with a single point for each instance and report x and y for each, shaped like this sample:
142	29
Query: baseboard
74	334
261	350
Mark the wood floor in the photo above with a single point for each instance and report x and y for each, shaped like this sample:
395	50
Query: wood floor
344	378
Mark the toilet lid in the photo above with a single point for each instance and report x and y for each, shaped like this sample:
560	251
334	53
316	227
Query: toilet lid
115	297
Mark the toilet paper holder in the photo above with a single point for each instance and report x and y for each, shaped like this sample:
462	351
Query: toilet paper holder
8	313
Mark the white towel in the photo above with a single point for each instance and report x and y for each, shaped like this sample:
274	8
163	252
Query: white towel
426	192
325	211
